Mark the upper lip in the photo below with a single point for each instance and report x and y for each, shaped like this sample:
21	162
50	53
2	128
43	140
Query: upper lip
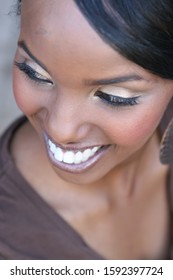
73	147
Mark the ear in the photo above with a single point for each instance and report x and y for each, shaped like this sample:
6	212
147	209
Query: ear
166	148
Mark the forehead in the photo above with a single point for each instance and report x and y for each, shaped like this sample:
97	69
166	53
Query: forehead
57	32
59	21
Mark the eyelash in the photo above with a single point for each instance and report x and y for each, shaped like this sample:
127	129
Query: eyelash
117	101
111	100
31	73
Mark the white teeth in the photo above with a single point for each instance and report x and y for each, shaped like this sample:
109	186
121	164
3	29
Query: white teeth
52	148
94	150
59	154
86	154
71	157
68	157
78	158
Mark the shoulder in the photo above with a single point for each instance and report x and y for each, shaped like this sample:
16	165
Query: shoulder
5	144
8	171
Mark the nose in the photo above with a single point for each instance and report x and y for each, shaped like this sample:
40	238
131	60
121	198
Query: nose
68	122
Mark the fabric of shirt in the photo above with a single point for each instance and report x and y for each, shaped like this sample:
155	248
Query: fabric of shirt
30	228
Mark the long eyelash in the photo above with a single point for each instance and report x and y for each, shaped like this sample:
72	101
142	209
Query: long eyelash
30	72
117	101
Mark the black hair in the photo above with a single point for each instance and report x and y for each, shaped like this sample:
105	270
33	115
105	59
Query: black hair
141	31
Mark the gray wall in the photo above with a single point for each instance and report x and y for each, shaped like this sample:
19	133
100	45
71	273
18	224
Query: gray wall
9	26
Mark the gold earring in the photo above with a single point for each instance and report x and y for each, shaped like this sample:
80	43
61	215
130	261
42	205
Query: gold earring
166	148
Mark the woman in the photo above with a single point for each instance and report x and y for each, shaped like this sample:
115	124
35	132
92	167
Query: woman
82	177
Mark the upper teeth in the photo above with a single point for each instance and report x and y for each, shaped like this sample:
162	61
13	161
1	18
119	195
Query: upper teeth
71	157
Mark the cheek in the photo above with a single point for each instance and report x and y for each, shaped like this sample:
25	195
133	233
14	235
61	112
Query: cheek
27	99
133	128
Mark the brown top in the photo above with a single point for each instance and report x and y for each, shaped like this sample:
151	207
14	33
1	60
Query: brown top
29	227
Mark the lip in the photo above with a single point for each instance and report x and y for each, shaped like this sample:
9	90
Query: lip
76	168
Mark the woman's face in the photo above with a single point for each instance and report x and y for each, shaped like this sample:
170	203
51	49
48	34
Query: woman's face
93	109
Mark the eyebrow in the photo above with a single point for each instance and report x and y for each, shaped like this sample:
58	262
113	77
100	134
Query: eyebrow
116	80
23	45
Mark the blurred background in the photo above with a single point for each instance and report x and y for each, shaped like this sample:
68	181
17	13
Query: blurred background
9	28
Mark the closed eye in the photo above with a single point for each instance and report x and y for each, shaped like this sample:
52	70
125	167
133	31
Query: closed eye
31	73
117	101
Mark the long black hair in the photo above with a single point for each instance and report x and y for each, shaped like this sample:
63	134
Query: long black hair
141	31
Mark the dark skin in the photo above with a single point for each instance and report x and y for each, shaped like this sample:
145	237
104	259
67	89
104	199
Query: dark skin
118	205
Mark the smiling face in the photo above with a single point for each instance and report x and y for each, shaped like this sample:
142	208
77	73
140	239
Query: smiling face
93	109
